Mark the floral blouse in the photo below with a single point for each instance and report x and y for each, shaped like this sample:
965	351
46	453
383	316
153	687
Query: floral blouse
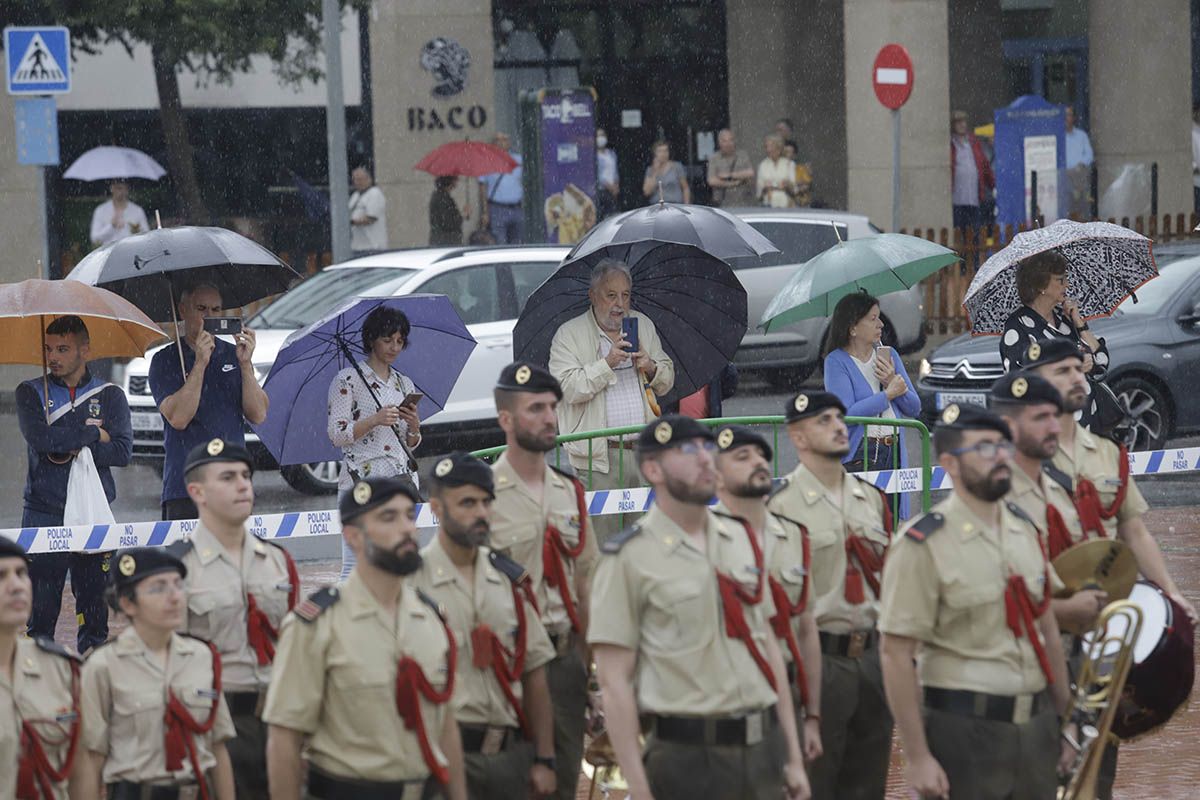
377	453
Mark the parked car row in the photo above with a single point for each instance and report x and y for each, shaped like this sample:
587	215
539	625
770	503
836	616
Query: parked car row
489	287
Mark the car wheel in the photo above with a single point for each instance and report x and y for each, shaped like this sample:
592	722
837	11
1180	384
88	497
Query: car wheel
1147	415
320	477
888	337
789	379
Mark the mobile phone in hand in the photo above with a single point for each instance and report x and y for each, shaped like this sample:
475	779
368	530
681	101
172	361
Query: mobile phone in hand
629	330
412	399
223	326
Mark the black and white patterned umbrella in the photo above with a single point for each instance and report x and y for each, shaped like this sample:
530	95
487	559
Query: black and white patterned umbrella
1107	264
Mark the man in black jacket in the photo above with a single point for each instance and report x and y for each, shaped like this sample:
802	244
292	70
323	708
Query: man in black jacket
81	411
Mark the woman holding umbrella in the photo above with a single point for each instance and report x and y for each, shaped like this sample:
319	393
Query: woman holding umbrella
445	220
371	440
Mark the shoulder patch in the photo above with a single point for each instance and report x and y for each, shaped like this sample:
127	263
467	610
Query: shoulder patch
1058	476
507	566
779	486
614	543
51	646
1016	511
795	522
566	472
925	526
180	548
317	603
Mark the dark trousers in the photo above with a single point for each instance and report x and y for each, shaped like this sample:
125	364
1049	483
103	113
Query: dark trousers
48	572
718	772
568	691
499	776
507	223
988	760
856	730
966	216
248	755
181	508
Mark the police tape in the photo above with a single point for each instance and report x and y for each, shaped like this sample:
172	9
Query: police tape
604	502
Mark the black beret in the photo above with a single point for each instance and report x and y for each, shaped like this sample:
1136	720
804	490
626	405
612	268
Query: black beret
463	469
135	564
9	548
808	404
217	451
523	376
669	431
374	492
1026	388
1050	351
731	436
970	417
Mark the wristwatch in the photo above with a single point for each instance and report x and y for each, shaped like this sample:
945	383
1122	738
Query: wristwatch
546	761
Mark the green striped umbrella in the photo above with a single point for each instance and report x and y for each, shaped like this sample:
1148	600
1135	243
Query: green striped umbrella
889	262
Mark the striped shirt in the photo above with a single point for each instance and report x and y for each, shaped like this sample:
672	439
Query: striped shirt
623	399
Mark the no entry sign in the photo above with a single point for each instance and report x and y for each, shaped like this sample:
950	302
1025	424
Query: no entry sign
892	76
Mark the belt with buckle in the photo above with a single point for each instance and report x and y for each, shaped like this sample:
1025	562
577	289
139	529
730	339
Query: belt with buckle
488	739
743	731
503	205
244	703
622	444
562	642
883	441
331	787
132	790
1017	709
850	645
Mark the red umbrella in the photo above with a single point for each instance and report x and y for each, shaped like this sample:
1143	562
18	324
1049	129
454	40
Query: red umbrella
469	158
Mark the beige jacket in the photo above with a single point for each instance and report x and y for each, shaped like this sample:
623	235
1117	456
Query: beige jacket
584	376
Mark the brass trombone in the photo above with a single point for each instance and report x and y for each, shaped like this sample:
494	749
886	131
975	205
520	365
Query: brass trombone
1107	659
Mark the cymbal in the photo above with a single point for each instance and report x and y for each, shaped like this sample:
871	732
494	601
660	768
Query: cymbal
1098	564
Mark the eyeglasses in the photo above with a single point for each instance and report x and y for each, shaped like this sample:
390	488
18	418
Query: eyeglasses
988	450
693	448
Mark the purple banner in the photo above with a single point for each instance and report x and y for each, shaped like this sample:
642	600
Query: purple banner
568	139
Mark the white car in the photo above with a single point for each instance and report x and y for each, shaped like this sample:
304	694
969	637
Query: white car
488	287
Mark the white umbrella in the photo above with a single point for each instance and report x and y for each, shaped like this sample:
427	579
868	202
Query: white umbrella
112	163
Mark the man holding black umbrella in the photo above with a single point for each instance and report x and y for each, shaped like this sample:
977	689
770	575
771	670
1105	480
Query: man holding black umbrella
606	381
205	388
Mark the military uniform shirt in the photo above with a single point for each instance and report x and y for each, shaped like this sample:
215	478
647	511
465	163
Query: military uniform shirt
1097	459
40	690
806	500
124	700
1032	497
948	593
335	680
519	523
658	596
216	595
783	555
478	699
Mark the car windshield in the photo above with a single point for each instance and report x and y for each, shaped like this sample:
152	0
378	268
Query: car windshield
322	293
1151	296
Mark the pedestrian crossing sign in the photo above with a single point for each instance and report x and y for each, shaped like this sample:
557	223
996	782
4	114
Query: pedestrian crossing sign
37	60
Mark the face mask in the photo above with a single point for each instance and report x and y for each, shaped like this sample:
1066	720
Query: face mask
601	142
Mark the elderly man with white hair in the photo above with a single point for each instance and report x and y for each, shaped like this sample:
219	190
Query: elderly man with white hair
605	381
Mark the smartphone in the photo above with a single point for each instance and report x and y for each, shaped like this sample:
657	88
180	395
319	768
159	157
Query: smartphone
412	399
223	326
629	330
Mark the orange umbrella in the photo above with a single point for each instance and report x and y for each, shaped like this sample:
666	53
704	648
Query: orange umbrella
115	326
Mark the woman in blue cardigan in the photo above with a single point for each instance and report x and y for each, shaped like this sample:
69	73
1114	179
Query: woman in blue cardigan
871	381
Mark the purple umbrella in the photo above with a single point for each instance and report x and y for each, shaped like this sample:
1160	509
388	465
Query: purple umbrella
298	385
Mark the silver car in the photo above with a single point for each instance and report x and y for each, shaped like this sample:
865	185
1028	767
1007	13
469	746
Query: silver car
793	353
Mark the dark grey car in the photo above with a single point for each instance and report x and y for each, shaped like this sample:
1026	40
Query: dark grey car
1154	346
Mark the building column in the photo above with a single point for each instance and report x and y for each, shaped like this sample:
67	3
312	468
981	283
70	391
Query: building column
1140	57
921	26
414	111
760	44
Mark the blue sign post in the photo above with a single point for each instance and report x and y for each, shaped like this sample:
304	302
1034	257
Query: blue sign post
37	131
37	60
1030	137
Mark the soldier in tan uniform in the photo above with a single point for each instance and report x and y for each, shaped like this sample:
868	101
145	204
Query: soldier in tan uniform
972	661
1107	498
680	629
1031	408
39	715
239	589
744	481
849	529
501	698
364	672
154	720
540	520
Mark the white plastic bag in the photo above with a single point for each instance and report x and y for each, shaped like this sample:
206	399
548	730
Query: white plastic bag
86	503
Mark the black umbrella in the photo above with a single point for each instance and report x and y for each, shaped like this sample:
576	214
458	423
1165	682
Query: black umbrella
150	269
696	303
716	232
